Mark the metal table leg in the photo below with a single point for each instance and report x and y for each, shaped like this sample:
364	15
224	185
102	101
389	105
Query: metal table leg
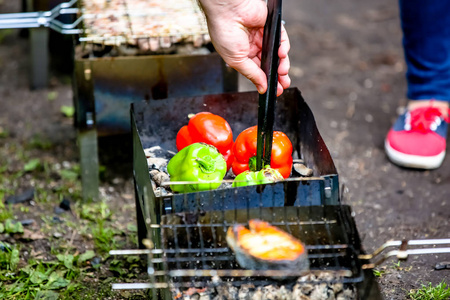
88	147
85	122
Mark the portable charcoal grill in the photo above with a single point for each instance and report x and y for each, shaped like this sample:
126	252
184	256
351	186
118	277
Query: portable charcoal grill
183	235
186	231
129	50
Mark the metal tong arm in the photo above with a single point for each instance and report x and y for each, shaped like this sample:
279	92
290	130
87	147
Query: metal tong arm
44	19
269	64
403	252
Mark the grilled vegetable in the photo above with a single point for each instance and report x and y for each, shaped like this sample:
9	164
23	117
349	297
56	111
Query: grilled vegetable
208	128
266	175
198	162
266	247
244	151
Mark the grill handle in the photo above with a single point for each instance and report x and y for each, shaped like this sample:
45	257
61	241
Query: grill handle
403	252
44	19
269	64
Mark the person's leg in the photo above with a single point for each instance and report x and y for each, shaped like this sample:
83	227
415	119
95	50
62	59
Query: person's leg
418	138
426	44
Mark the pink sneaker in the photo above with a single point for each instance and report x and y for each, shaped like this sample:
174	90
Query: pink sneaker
418	139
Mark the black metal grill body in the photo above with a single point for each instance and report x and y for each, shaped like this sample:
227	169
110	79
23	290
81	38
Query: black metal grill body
196	241
105	87
190	228
156	123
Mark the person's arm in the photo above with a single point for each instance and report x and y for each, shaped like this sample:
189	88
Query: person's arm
236	29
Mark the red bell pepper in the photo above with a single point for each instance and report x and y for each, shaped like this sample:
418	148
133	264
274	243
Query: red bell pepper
205	127
244	151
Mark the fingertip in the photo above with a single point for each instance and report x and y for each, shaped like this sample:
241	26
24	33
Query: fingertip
260	89
284	81
279	89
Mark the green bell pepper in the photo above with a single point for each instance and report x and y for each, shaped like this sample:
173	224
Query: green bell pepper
198	162
266	175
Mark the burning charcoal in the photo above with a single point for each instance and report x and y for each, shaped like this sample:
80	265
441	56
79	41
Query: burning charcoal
227	291
306	278
160	191
244	292
257	295
284	293
225	185
337	287
320	292
27	195
297	293
157	151
326	276
303	170
157	163
349	294
159	177
306	288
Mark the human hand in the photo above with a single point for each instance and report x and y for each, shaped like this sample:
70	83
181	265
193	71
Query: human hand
236	29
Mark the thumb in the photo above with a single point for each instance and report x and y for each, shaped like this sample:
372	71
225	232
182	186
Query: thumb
254	73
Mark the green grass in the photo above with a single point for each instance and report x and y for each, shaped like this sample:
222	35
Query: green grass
430	292
40	278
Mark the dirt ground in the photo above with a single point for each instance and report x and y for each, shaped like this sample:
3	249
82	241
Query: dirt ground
347	60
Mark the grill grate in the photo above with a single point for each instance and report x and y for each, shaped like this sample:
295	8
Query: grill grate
149	25
194	252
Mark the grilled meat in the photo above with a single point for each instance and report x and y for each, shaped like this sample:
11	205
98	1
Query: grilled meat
265	247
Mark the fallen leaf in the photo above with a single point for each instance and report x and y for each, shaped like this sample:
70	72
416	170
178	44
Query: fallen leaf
38	277
56	281
46	295
86	256
32	165
31	235
66	259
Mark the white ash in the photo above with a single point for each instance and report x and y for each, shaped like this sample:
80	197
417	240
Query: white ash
308	287
159	177
303	170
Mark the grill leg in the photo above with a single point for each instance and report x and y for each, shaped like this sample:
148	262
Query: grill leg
142	229
88	147
39	57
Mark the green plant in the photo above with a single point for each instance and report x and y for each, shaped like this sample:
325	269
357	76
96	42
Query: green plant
41	279
9	258
52	95
430	292
95	211
13	227
5	212
378	273
104	237
68	111
32	165
396	265
3	133
38	142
